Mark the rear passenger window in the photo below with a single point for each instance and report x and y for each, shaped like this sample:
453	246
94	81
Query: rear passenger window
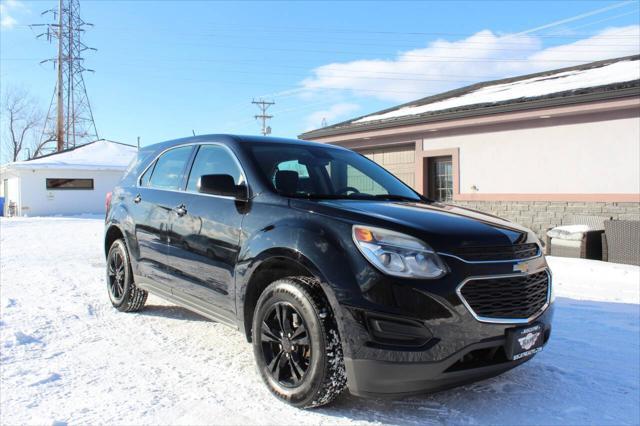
167	174
146	176
213	160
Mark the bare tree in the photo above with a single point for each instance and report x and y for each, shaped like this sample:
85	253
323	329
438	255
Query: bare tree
22	119
39	147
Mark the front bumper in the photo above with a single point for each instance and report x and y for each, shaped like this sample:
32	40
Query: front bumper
369	378
418	338
375	377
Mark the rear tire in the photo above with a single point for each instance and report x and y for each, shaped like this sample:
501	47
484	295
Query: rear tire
296	343
123	293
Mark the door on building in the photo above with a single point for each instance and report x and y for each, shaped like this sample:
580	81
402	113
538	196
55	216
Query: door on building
440	178
398	160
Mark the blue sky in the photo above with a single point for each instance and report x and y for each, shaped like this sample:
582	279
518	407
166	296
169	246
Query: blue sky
165	68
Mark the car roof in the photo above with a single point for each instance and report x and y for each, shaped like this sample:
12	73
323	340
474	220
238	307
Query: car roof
234	140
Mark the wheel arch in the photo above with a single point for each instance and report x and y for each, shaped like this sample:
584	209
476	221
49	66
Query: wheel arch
112	234
270	266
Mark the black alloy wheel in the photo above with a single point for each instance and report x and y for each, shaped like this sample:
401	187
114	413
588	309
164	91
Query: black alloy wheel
116	274
125	296
296	343
285	344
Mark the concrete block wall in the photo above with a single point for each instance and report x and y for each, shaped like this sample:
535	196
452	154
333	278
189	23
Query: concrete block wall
542	215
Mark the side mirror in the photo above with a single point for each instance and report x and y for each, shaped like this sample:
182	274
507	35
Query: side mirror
223	185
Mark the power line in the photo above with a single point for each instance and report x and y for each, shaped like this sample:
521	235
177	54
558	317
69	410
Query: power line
264	106
451	45
408	53
233	28
504	39
341	70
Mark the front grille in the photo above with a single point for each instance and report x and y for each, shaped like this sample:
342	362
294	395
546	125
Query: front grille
494	253
513	297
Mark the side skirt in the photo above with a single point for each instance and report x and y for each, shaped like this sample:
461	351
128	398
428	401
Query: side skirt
184	301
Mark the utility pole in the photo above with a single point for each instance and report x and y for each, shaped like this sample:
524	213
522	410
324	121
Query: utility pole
74	123
59	88
264	106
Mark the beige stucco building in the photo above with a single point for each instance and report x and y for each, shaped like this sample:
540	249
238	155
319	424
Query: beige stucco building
534	148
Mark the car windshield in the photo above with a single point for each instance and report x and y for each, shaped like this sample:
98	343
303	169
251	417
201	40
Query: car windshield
316	172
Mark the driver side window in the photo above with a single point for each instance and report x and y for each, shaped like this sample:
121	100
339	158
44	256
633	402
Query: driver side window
213	160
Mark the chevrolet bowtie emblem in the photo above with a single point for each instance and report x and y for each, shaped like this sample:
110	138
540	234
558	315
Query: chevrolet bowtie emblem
521	267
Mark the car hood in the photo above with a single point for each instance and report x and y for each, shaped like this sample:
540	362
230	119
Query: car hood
442	226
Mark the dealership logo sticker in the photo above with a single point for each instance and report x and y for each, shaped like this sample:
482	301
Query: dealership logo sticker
528	341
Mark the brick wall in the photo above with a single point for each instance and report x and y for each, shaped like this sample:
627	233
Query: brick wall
542	215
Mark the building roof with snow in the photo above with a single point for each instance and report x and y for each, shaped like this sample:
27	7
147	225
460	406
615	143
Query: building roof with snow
608	79
98	155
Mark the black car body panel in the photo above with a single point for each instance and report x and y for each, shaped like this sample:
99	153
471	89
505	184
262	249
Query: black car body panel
399	335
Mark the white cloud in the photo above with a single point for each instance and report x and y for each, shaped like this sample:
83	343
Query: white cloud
334	112
609	43
8	8
7	21
444	65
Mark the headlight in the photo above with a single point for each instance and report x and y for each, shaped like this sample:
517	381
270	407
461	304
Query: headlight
398	254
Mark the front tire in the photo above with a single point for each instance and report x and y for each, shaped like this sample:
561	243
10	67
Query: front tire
296	343
123	293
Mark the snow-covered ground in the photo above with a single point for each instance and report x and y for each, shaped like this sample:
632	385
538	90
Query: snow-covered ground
67	357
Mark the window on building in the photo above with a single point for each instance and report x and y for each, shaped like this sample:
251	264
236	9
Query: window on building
441	178
63	183
213	160
168	171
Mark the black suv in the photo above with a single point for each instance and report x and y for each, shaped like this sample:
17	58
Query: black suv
336	271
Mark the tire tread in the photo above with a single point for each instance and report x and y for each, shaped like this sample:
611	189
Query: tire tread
334	379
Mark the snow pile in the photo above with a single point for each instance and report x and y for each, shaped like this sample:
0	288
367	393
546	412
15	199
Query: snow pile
98	155
617	72
582	279
67	357
569	232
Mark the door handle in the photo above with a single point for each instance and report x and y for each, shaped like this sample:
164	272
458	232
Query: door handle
181	210
137	199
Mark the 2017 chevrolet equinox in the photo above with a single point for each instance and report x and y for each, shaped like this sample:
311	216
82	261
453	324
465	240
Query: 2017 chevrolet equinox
337	272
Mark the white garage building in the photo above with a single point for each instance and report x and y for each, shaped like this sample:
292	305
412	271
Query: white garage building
73	181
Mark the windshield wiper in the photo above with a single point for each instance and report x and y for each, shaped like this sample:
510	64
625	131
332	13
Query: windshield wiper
358	196
318	196
395	197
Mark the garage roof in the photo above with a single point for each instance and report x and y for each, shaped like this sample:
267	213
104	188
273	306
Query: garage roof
99	155
607	79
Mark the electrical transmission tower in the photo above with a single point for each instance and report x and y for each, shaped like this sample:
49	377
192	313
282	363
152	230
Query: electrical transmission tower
264	106
70	107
